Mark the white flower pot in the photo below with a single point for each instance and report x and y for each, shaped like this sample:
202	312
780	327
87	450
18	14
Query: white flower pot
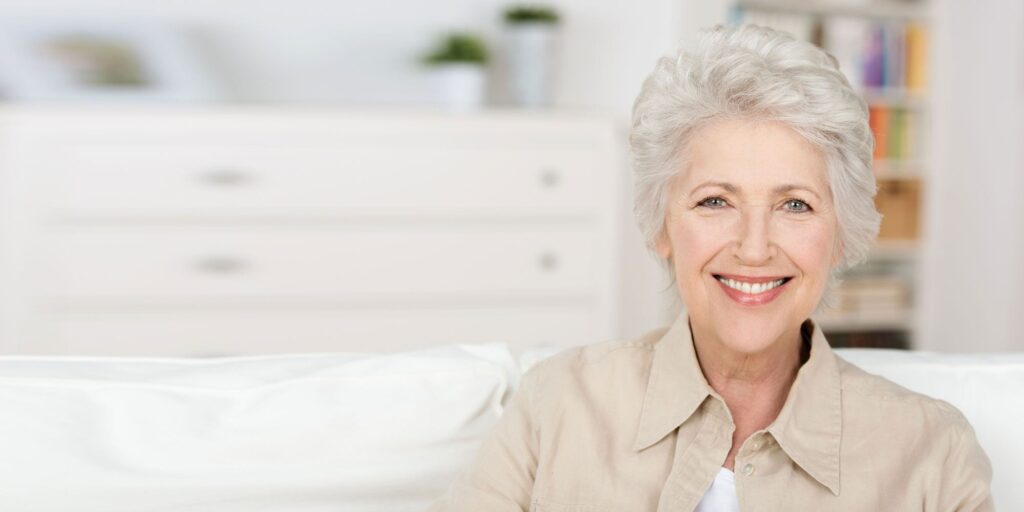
531	48
460	87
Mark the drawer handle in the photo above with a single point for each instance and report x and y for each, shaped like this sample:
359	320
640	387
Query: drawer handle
549	178
226	177
548	261
221	265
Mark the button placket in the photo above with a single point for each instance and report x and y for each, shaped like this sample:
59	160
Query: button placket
696	464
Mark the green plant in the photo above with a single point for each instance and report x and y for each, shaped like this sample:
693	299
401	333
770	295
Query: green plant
531	14
458	47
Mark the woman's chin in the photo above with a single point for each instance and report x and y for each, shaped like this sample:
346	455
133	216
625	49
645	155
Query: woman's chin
750	335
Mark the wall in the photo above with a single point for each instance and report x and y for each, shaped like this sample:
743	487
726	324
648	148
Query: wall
972	292
366	52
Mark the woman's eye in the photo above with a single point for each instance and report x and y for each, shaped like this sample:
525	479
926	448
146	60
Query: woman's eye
712	202
796	205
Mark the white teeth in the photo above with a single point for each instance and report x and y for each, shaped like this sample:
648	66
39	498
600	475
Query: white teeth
752	289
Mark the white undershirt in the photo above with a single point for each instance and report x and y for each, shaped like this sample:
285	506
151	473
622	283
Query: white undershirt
721	496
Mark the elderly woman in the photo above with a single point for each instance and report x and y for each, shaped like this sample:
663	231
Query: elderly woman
753	183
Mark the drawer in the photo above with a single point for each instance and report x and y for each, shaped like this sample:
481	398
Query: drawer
212	332
355	263
191	180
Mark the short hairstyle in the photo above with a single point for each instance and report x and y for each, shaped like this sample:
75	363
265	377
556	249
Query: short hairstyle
755	73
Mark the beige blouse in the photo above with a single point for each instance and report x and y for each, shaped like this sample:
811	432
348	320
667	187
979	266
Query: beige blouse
633	426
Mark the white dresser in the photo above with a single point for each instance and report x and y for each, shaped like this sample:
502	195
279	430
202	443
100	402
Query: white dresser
249	230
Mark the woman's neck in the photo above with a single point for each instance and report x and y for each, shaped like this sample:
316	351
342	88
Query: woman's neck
754	386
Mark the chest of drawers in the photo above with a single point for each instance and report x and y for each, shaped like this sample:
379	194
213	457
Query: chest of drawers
249	230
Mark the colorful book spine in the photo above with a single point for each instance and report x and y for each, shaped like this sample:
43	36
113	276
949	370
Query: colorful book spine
910	135
878	119
893	55
894	130
874	61
917	57
895	141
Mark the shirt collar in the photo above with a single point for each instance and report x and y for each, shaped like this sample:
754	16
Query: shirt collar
808	428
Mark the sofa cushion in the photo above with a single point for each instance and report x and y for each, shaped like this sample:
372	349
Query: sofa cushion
268	433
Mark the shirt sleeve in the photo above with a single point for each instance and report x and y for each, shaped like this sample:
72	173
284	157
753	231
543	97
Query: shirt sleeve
967	475
500	478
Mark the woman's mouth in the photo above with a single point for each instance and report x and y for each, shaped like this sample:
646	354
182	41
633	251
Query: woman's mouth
752	291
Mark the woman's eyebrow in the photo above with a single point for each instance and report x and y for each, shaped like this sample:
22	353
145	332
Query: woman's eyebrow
781	189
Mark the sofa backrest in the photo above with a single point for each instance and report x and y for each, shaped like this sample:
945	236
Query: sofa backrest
353	432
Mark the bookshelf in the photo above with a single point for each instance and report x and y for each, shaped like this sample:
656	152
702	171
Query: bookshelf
882	47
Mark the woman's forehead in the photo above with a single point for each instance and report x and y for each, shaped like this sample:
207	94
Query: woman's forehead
744	156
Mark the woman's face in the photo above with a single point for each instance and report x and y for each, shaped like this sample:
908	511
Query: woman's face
754	207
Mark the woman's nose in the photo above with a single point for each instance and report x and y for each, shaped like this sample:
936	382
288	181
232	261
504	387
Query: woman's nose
755	245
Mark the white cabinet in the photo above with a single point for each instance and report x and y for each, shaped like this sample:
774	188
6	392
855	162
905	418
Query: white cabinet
236	230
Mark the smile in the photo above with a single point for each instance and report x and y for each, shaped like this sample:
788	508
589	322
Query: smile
752	291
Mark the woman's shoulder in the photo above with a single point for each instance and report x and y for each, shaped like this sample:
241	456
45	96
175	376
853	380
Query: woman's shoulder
600	354
593	367
911	433
876	399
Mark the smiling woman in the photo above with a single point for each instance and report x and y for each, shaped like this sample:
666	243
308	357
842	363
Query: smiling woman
753	185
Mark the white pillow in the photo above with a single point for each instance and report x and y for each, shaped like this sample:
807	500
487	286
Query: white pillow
269	433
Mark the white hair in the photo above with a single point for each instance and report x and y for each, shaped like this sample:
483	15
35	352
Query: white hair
756	73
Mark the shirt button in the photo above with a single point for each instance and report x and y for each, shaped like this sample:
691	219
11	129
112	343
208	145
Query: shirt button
748	469
757	445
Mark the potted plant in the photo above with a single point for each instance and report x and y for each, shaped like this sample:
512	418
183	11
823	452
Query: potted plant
459	61
531	31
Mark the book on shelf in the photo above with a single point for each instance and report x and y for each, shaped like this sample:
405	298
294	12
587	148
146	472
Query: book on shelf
896	132
882	54
917	56
878	120
895	55
899	202
873	296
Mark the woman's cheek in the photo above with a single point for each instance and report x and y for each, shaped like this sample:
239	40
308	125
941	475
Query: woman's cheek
698	237
809	245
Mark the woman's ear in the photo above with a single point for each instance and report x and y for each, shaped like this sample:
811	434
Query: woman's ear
837	253
663	246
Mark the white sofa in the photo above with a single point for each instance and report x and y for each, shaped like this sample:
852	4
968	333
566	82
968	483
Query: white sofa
338	432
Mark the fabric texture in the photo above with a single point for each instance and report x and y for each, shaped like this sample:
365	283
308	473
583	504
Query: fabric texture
635	426
296	433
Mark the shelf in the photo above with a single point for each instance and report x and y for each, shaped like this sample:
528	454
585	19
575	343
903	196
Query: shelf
894	249
898	169
895	97
867	9
889	321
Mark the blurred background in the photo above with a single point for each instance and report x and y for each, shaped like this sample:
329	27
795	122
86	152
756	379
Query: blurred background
251	177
